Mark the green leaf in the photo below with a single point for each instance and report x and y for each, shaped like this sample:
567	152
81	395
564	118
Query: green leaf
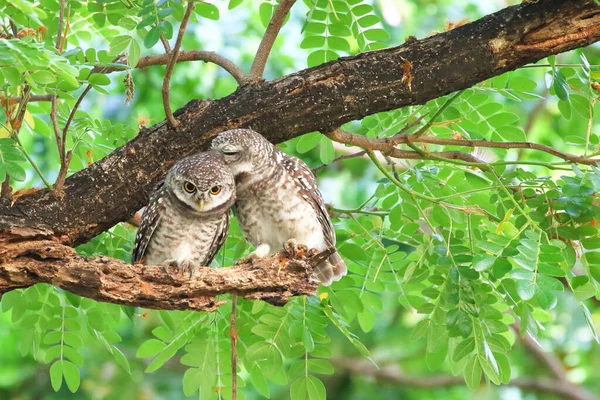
134	53
307	340
150	348
473	373
308	142
71	374
119	44
207	10
56	374
463	349
327	151
152	37
525	289
307	387
99	79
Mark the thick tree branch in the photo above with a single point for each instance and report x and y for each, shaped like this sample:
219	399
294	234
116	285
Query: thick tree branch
173	54
266	44
316	99
35	259
394	375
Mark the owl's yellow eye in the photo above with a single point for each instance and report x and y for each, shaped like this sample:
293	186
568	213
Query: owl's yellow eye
215	189
189	187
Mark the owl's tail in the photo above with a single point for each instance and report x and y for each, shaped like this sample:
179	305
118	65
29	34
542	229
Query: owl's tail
331	270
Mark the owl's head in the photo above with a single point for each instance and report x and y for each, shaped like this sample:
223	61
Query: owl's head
243	150
202	183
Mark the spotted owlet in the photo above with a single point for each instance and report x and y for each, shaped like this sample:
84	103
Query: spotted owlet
187	218
278	200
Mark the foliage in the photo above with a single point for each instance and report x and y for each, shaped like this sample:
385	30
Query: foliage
448	259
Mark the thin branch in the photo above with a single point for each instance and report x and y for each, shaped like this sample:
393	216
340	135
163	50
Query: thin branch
264	49
340	158
272	279
394	375
56	128
66	155
64	36
154	60
166	44
167	80
13	28
73	111
5	189
33	97
234	337
439	112
61	17
549	360
387	145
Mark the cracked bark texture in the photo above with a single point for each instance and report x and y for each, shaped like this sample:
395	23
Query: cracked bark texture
35	259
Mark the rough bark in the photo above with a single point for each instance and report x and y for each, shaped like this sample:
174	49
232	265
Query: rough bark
35	259
316	99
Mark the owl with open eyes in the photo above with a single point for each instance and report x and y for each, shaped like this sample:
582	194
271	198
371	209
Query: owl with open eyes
278	201
187	218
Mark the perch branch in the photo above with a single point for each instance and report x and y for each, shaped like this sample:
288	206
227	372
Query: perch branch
27	262
167	80
266	44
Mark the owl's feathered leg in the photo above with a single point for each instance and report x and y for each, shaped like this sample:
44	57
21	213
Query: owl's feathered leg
261	251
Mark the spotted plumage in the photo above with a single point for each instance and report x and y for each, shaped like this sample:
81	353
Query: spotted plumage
187	217
278	199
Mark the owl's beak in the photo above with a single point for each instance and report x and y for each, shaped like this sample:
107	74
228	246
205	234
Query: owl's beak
201	204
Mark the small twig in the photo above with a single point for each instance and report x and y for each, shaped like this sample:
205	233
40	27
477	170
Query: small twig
62	172
549	360
32	162
56	128
13	27
439	112
64	36
66	155
166	44
340	158
167	80
5	189
234	337
61	17
266	44
33	97
17	122
73	111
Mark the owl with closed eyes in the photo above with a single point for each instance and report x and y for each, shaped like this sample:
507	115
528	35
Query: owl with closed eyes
278	201
187	218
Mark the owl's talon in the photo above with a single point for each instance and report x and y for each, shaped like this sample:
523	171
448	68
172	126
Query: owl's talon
295	249
187	265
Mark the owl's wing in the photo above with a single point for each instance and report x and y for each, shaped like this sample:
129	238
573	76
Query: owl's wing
218	239
150	221
307	186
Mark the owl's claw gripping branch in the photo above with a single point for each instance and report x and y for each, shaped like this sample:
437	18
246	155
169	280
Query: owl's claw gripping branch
27	260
